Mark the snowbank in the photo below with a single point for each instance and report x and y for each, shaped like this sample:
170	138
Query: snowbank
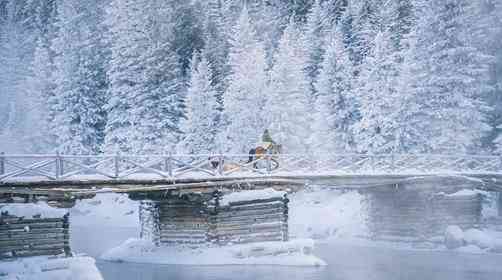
326	213
105	209
267	193
466	192
453	237
29	210
473	240
291	253
43	268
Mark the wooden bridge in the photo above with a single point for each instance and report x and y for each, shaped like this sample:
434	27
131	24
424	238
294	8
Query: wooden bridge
181	194
98	170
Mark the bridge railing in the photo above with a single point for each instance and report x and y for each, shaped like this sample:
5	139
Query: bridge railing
67	167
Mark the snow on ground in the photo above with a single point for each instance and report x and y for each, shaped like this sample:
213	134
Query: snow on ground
291	253
105	209
325	213
251	195
29	210
44	268
473	240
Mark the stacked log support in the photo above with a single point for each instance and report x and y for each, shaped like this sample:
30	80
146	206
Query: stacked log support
420	215
250	221
22	237
149	221
200	219
183	221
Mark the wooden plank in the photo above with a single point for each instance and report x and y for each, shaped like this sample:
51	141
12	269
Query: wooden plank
184	231
33	242
31	253
60	245
164	236
194	220
242	213
249	219
31	225
18	220
30	236
245	231
183	226
33	231
255	201
254	206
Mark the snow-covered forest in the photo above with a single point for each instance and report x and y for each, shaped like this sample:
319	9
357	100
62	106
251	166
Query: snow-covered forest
201	76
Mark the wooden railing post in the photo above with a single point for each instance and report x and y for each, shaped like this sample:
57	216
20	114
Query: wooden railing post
59	170
393	161
116	165
372	162
169	164
2	163
221	161
269	163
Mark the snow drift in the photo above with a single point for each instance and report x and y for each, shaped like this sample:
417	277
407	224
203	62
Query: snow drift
291	253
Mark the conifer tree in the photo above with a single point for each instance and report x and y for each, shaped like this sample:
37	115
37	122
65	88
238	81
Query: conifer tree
288	104
376	131
445	78
246	96
201	126
336	105
314	37
81	79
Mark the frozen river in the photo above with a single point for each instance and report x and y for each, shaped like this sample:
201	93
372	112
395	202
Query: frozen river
345	261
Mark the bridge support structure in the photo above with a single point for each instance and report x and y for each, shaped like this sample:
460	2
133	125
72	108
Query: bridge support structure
217	218
34	236
421	210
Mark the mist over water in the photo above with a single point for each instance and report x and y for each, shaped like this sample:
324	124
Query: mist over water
347	259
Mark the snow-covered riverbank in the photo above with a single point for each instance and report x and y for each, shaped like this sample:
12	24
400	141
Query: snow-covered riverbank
291	253
44	268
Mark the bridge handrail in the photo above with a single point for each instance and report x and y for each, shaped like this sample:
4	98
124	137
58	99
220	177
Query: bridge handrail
245	155
115	166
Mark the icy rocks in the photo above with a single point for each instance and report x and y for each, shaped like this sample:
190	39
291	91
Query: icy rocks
483	240
454	237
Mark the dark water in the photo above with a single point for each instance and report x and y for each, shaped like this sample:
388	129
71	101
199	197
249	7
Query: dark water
345	262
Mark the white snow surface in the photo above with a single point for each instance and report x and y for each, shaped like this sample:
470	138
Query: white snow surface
466	192
325	213
250	195
44	268
28	210
291	253
108	209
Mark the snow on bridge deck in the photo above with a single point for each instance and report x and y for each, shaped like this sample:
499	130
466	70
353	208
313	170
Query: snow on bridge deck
122	173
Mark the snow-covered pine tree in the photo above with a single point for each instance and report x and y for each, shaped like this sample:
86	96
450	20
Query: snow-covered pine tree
377	94
496	117
201	126
335	105
81	79
398	17
129	43
484	30
16	48
41	89
161	98
444	78
246	96
314	37
289	107
41	84
216	48
366	26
